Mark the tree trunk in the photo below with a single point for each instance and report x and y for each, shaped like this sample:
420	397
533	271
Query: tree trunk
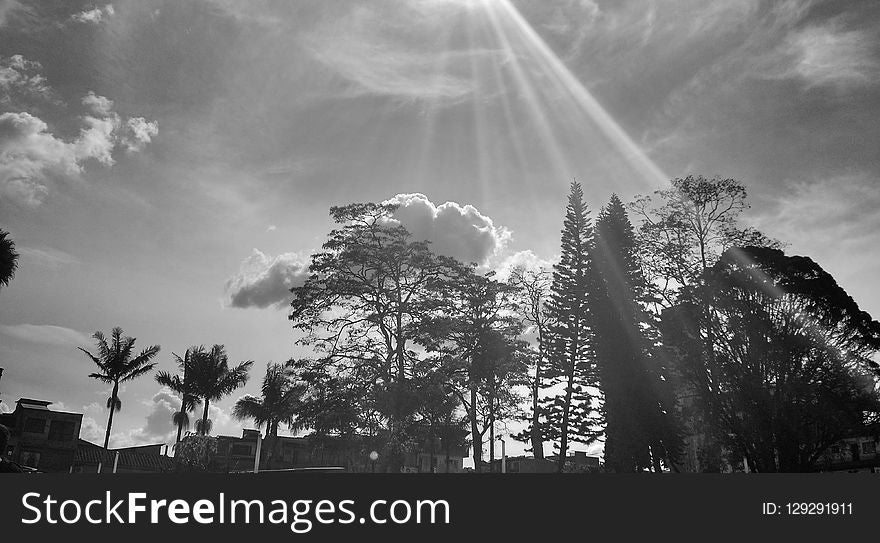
113	400
563	438
204	431
476	437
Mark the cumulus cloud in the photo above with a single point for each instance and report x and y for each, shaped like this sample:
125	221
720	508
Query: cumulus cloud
94	15
31	155
527	260
455	230
46	334
20	79
265	280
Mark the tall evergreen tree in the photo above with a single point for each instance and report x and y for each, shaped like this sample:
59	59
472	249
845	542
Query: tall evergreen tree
638	428
570	413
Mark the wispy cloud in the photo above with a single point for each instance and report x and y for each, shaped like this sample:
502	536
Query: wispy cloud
403	50
47	256
825	55
46	334
94	15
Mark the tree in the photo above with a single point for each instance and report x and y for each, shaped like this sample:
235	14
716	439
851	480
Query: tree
791	369
685	228
637	409
570	413
534	288
367	294
461	333
278	404
116	365
212	379
8	259
183	386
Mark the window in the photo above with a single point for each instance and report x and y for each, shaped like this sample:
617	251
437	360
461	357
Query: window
30	458
869	447
35	426
61	430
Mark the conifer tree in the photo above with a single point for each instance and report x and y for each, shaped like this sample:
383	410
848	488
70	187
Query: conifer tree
637	428
569	409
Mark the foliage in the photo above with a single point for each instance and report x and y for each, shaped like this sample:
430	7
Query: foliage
571	412
637	407
117	364
195	453
790	369
686	226
183	386
8	258
212	378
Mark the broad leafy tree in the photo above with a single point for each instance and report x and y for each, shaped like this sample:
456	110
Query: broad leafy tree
368	293
791	369
117	363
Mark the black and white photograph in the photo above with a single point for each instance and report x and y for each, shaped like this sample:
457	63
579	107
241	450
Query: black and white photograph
273	242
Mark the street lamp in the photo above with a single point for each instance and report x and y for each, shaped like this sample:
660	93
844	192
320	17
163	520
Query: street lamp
503	456
373	457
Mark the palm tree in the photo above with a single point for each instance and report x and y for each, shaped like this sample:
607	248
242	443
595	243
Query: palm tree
183	386
212	378
116	366
279	403
8	259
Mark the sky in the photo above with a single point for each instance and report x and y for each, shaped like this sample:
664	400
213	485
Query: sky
168	166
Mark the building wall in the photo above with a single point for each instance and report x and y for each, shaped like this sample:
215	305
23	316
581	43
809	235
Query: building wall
44	439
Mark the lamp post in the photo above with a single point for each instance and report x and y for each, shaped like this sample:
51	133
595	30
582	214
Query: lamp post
503	456
373	457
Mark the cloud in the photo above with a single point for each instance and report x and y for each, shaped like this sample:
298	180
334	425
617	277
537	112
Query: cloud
20	80
47	256
46	334
403	50
527	260
824	56
264	280
94	15
455	230
31	156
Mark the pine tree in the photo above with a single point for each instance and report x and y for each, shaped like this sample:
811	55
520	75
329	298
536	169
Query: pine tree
570	412
637	428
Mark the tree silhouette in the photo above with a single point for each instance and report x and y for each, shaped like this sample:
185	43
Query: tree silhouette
212	379
790	372
8	258
367	294
637	408
117	365
182	385
570	414
278	403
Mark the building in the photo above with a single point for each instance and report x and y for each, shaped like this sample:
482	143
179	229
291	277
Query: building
352	454
579	462
91	458
40	437
854	454
525	464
